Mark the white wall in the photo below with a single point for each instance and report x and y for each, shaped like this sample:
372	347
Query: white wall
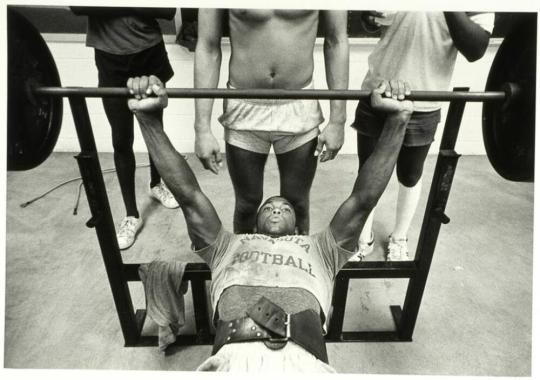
76	65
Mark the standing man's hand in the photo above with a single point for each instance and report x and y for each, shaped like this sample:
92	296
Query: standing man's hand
207	150
332	137
206	75
336	64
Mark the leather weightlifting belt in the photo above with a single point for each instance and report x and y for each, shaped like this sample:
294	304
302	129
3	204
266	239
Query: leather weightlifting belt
269	323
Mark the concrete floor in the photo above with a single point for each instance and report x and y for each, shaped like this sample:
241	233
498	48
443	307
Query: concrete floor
475	318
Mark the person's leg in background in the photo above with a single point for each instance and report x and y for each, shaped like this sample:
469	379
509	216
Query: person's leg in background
155	61
121	122
409	169
296	172
246	169
111	73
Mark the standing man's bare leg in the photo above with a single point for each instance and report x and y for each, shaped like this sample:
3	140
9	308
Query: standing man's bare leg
296	172
246	169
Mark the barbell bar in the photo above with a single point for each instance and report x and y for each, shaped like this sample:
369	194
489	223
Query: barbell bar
508	115
106	92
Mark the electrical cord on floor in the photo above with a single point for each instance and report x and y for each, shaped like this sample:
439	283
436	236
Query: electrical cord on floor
104	171
110	170
76	207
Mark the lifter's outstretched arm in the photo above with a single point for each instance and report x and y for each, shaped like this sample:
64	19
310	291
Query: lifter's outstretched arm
201	218
377	170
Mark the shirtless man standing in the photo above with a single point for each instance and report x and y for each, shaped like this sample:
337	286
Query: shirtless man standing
270	49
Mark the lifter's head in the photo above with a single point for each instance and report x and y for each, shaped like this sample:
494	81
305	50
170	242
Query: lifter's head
276	217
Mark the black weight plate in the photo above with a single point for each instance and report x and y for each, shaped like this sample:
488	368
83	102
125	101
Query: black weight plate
508	128
33	122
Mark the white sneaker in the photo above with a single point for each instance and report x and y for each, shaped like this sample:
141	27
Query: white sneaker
364	249
397	249
127	231
161	193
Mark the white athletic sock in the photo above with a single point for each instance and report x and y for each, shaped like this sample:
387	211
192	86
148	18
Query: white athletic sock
405	208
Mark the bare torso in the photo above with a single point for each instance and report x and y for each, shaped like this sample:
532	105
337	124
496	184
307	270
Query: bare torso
272	48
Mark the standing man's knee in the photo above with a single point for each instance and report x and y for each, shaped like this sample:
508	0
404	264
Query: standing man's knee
409	179
409	175
120	146
410	164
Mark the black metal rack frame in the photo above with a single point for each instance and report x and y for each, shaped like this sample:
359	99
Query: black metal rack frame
119	274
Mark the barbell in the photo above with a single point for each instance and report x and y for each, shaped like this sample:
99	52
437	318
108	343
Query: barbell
508	115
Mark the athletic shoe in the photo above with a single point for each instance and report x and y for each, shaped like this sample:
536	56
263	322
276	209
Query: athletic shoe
397	249
127	231
161	193
364	249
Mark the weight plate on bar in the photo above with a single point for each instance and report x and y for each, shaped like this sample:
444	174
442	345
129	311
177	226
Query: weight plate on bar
509	127
33	122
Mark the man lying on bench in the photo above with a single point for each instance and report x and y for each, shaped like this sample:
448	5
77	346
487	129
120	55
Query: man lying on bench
271	290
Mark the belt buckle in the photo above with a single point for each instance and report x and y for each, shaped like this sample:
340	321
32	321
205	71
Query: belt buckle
287	332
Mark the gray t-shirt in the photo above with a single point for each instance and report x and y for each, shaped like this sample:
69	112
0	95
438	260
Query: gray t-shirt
300	268
417	47
122	35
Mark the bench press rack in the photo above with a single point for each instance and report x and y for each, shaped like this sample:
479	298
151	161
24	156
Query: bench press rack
119	274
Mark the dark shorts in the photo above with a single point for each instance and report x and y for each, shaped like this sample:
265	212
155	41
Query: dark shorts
114	70
420	130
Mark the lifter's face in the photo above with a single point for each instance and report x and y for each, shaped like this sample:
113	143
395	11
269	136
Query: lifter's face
276	217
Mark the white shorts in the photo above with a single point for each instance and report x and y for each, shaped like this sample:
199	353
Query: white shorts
256	357
258	124
260	142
